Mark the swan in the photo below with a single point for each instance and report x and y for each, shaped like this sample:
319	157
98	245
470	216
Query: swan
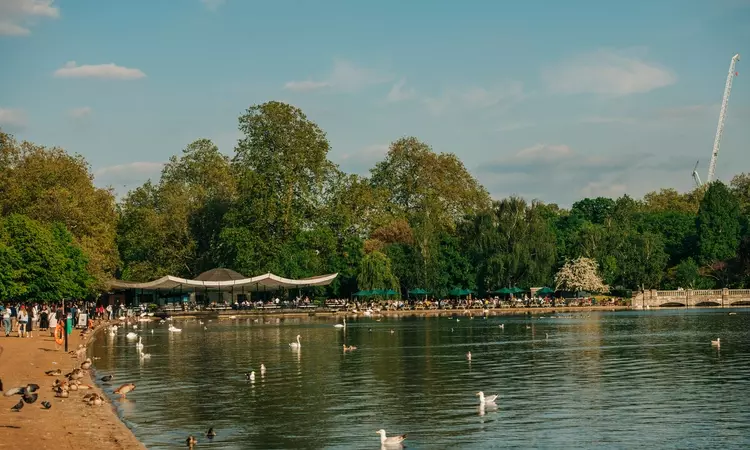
338	325
139	345
174	329
716	343
394	440
144	355
489	400
131	335
468	356
251	377
297	344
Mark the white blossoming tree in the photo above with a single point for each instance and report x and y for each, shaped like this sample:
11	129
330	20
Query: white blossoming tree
580	274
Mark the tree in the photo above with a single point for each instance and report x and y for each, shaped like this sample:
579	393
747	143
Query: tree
375	273
580	275
669	200
718	225
643	261
595	210
50	185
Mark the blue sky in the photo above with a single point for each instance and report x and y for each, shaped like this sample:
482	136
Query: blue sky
554	100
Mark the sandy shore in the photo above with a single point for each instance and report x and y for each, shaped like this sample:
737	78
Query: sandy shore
70	423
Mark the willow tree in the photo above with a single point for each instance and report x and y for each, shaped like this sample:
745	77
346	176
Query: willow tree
511	244
375	273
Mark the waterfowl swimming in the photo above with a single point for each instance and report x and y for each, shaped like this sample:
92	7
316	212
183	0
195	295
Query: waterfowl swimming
716	343
211	433
502	325
297	344
489	400
174	329
53	373
250	376
139	344
191	441
262	369
394	440
468	356
106	378
131	335
124	389
338	325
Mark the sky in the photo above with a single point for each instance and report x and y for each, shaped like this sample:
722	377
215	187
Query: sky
550	100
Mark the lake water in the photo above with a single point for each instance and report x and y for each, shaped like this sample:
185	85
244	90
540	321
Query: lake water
633	379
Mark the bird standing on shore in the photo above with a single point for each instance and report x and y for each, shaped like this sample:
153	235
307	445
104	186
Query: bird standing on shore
53	373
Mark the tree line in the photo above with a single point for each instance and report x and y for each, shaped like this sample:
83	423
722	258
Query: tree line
419	220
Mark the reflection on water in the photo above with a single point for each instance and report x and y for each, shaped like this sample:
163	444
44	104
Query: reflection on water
639	379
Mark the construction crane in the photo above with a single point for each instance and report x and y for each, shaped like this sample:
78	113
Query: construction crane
722	118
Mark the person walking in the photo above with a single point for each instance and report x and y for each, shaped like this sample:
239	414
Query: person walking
6	320
30	322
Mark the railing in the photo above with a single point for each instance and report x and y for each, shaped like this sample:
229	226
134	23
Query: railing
708	293
739	292
675	293
701	293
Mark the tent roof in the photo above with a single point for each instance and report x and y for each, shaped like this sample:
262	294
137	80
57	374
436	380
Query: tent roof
267	282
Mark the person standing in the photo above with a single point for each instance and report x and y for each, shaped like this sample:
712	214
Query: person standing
23	319
44	319
52	320
30	322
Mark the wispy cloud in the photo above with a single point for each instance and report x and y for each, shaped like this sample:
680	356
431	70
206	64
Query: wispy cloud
107	71
17	15
344	76
80	113
502	94
213	5
399	92
14	118
607	72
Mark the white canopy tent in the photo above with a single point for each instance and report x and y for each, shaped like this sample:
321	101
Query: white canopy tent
265	282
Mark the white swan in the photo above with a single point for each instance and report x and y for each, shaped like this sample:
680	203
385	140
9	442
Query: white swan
139	344
131	335
393	440
297	344
489	400
338	325
174	329
144	355
251	377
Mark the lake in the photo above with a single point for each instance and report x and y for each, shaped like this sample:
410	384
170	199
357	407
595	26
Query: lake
629	379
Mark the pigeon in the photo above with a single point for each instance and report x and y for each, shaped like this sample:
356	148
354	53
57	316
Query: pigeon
18	406
32	388
106	378
30	398
211	433
46	405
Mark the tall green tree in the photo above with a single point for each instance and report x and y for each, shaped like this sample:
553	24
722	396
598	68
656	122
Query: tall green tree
375	273
718	225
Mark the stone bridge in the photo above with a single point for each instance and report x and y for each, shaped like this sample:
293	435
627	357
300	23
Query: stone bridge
690	297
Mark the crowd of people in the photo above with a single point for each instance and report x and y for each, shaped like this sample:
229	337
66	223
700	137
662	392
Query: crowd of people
22	319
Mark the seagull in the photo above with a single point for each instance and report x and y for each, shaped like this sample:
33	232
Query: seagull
489	400
716	343
394	440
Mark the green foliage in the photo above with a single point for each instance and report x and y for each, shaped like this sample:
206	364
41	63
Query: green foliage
375	273
718	225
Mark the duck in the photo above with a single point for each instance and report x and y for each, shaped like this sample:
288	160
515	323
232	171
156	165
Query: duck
191	441
76	374
106	378
297	344
488	400
250	376
262	369
86	365
211	433
393	440
124	389
53	373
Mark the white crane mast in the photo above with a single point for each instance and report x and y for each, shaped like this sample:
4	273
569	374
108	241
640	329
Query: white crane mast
722	117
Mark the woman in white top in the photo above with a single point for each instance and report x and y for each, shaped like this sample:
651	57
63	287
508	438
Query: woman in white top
52	321
23	319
